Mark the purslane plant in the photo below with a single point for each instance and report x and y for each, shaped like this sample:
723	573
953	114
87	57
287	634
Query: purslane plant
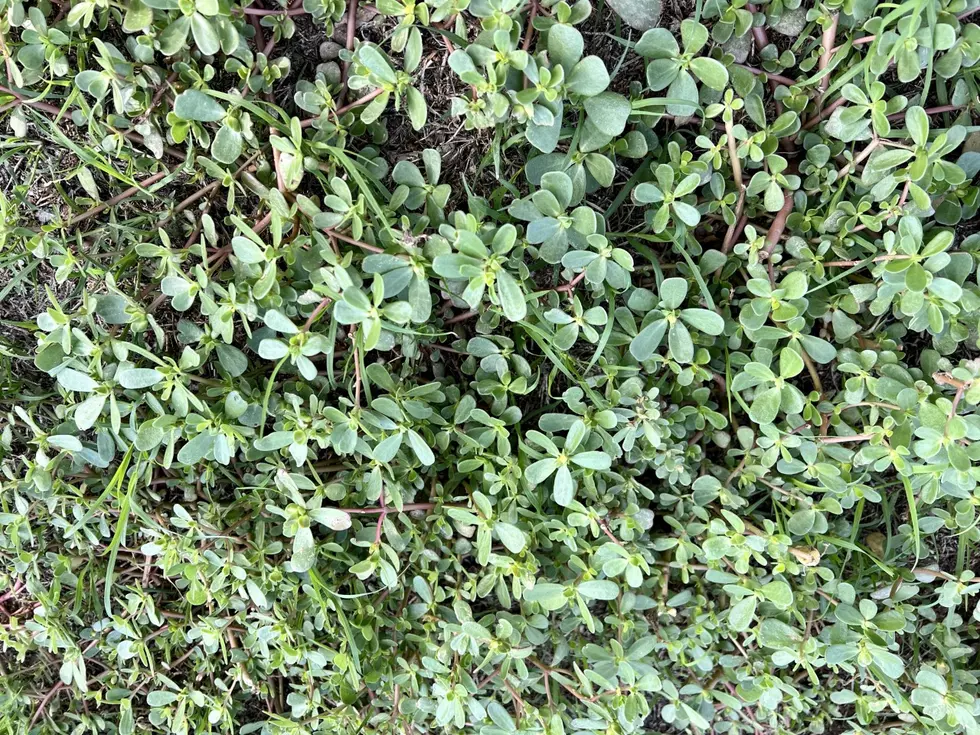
512	372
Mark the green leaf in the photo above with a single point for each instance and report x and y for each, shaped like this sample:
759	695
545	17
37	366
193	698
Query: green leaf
72	379
417	110
273	349
547	594
421	449
800	523
540	471
246	250
713	73
917	123
138	378
592	460
88	412
160	698
193	104
680	343
304	550
510	536
704	321
174	37
673	291
511	297
599	589
386	449
274	441
644	344
280	322
742	613
683	87
778	593
204	35
196	449
765	407
332	518
687	214
564	488
565	45
376	63
227	145
609	112
589	77
818	348
657	43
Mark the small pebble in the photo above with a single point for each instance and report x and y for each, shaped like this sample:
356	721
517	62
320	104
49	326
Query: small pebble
791	23
739	47
330	71
330	50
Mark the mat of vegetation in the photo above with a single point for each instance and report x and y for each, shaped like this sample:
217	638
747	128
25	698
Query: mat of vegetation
489	366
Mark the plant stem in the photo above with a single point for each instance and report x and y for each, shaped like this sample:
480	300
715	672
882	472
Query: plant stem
268	394
824	113
868	150
260	11
529	34
929	111
351	28
324	303
733	158
346	108
758	32
844	439
570	286
787	81
849	263
352	241
118	198
461	318
812	369
776	231
829	37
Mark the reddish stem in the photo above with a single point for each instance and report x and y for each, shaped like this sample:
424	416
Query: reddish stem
346	108
261	11
159	95
788	81
529	35
280	181
929	111
324	303
824	113
776	231
257	26
357	376
381	518
43	106
844	439
829	37
758	32
18	586
868	150
351	28
352	241
851	263
905	193
461	318
856	42
570	286
118	198
741	219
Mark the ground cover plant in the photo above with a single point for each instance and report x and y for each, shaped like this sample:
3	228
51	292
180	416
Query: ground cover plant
489	366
